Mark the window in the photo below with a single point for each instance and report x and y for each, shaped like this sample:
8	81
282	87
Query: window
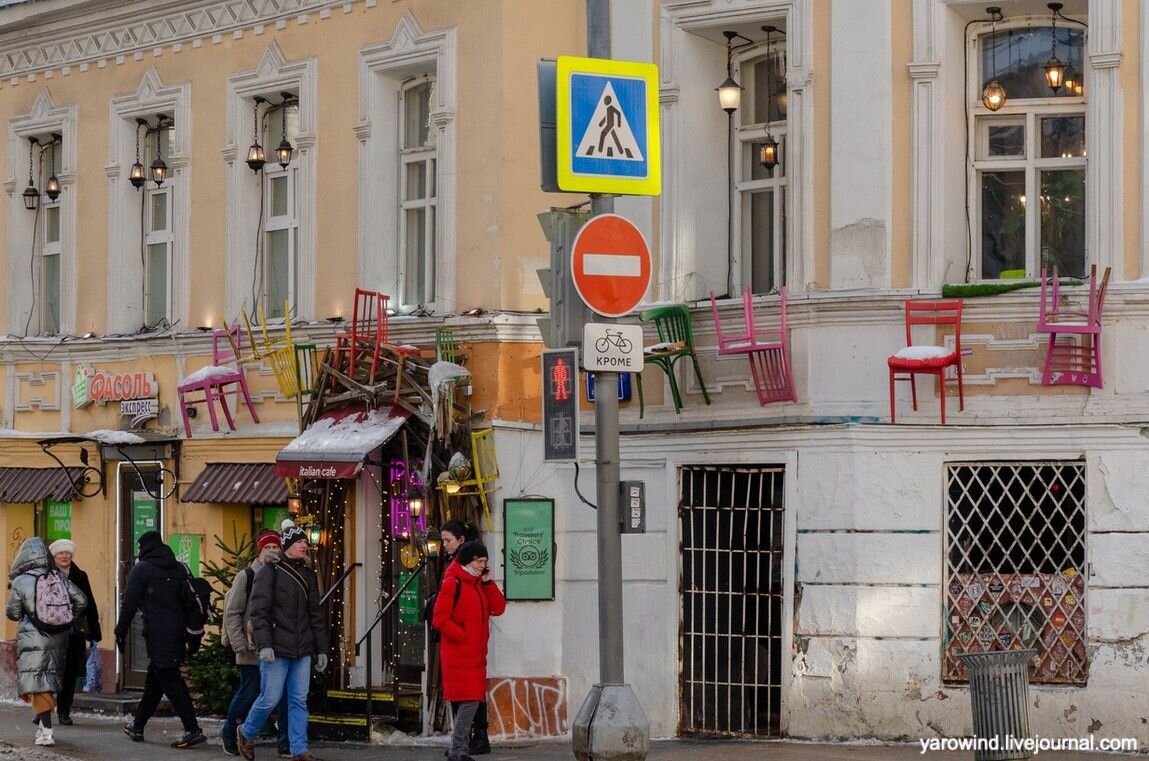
51	252
1029	157
760	193
158	238
417	206
281	211
1015	566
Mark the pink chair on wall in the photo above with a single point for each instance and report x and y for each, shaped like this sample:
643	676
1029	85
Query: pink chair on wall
1073	355
210	383
767	349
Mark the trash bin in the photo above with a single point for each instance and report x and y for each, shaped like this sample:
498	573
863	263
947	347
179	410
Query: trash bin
999	696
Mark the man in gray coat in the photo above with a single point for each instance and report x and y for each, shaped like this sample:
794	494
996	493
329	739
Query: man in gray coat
235	618
39	654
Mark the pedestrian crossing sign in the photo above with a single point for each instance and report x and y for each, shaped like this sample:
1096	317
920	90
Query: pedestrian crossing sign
607	126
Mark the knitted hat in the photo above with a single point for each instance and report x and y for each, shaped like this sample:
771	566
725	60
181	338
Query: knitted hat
62	545
291	534
266	537
471	550
150	540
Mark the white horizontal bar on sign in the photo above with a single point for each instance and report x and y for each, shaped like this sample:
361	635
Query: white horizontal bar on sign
617	265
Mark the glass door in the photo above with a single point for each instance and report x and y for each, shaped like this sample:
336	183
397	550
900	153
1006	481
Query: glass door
141	510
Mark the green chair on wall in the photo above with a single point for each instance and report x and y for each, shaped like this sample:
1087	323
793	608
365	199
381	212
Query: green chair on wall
675	341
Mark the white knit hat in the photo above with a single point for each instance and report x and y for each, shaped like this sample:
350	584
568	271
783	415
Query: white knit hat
62	545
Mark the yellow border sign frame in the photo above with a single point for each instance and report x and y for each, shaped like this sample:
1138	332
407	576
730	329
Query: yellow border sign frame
651	185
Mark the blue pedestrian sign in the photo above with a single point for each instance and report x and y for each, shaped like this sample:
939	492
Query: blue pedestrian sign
607	126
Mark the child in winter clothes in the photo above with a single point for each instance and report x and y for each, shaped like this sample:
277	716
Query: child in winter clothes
39	655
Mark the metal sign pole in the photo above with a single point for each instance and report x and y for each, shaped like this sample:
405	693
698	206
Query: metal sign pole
611	723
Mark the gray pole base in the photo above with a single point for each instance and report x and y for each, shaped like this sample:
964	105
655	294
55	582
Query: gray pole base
611	726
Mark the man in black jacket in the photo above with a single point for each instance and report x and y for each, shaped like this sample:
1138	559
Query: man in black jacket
155	586
288	628
87	627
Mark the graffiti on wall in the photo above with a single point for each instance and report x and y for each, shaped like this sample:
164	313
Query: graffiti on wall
527	706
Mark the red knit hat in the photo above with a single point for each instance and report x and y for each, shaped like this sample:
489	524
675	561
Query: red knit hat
266	537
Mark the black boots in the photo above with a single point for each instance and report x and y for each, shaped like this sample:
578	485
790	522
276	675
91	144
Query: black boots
480	743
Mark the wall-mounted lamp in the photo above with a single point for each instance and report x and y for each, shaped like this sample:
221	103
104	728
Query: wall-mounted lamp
415	507
285	150
52	188
730	92
993	94
159	168
294	504
255	156
768	152
31	195
434	544
314	534
136	174
1054	68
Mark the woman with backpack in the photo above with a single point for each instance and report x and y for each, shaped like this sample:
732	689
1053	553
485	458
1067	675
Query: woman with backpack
46	604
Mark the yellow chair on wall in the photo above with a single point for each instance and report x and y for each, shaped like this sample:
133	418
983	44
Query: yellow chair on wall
484	472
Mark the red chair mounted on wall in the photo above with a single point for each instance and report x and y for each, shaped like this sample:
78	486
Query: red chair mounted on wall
923	359
211	382
363	344
1073	355
767	349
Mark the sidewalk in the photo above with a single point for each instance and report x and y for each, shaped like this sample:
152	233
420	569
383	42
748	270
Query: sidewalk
97	738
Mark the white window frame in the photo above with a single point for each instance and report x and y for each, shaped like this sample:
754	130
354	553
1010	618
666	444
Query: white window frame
747	139
50	249
415	289
277	223
25	233
127	237
383	70
161	237
272	76
1028	113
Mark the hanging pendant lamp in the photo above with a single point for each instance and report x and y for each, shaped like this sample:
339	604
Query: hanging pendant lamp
993	95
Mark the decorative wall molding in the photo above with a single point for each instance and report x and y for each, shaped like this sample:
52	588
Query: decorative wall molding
37	391
82	33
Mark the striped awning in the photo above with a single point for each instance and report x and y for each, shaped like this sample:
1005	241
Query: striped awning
251	483
38	484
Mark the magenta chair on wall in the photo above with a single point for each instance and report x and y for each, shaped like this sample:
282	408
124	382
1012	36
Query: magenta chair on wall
767	349
211	382
1073	355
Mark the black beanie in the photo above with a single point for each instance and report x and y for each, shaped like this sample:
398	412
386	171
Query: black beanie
471	550
149	540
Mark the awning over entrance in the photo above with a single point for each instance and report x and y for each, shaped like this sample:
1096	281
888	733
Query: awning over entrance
336	445
253	483
37	484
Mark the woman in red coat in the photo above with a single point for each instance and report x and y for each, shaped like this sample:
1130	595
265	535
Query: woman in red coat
463	621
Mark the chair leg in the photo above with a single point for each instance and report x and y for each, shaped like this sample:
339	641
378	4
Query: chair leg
893	416
641	403
247	401
755	358
698	375
669	370
1047	372
209	402
914	390
226	409
942	393
184	412
961	388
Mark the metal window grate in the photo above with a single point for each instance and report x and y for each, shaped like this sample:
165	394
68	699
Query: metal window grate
1015	559
731	521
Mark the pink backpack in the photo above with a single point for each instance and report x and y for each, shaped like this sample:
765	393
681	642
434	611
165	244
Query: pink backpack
53	612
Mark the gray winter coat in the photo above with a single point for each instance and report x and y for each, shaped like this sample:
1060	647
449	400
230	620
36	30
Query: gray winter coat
39	656
235	616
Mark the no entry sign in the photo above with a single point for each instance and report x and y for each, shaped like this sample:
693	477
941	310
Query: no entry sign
610	265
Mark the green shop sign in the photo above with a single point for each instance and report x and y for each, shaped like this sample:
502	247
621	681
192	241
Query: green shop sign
409	607
186	548
530	540
57	521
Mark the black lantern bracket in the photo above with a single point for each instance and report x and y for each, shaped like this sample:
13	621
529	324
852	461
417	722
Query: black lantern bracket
91	480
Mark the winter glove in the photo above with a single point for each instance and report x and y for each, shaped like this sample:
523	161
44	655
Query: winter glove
321	662
193	645
267	654
121	643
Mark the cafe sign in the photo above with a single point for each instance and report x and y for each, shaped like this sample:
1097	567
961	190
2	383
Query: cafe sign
101	386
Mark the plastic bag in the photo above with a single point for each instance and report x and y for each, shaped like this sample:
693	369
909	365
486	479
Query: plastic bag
94	670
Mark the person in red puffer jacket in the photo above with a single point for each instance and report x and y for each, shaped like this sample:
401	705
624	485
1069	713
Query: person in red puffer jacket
463	620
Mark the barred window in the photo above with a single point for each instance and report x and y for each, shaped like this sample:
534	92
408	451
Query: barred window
1015	564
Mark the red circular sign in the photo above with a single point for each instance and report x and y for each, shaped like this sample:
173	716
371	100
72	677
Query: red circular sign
610	264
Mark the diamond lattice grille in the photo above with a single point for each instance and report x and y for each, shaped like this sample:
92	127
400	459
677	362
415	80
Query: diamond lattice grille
1015	555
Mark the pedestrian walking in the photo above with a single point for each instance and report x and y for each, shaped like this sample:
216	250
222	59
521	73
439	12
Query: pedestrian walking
156	586
86	629
463	620
288	627
46	604
235	631
453	534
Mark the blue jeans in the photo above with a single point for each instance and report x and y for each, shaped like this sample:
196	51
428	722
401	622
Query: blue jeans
283	678
242	702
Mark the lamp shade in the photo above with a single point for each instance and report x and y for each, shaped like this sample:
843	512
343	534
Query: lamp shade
52	189
255	157
993	96
31	197
159	171
283	153
1054	73
768	153
136	176
729	95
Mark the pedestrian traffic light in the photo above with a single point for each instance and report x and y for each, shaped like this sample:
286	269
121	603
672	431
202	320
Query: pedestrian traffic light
560	405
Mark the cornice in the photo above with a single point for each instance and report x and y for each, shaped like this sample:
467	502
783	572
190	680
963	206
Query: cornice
82	32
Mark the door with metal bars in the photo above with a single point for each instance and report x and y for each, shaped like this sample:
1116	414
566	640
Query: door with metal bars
730	670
